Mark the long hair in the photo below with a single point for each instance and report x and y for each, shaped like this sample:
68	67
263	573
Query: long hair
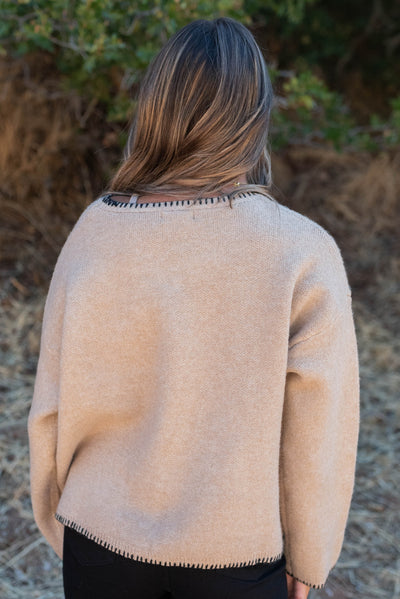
202	116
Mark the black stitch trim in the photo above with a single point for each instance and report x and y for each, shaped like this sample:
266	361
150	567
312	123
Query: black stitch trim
82	530
107	199
314	586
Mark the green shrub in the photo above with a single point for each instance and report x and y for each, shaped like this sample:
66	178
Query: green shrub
102	47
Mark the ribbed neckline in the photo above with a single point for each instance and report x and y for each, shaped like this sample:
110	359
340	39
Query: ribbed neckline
223	200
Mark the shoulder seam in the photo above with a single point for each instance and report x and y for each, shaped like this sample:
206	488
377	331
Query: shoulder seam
310	221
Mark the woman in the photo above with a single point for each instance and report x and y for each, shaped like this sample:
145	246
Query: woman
194	424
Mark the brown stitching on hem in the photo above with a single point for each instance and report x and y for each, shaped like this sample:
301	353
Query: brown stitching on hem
123	553
314	586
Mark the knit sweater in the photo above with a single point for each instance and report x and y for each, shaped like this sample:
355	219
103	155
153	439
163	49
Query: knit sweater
196	400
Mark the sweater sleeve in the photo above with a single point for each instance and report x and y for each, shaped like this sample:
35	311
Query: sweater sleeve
320	425
43	414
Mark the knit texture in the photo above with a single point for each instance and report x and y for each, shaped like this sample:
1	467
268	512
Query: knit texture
196	399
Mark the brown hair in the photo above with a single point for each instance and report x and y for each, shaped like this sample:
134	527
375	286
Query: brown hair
202	115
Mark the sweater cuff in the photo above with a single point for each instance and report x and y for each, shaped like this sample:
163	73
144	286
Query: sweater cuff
314	585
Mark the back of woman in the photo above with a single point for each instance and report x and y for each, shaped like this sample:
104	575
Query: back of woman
194	425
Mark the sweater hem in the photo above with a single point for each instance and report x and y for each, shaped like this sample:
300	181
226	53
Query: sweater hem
309	584
82	530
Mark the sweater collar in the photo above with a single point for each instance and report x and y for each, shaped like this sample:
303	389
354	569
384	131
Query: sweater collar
223	200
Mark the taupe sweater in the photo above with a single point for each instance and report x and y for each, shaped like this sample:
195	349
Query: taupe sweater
196	400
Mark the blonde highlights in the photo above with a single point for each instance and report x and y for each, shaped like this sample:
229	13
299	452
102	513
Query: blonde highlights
202	116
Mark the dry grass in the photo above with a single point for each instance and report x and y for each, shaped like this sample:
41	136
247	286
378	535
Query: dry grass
54	155
54	161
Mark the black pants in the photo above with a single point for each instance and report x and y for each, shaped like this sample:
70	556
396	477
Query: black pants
91	571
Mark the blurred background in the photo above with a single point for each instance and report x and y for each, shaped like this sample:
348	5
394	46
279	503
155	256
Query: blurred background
69	72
